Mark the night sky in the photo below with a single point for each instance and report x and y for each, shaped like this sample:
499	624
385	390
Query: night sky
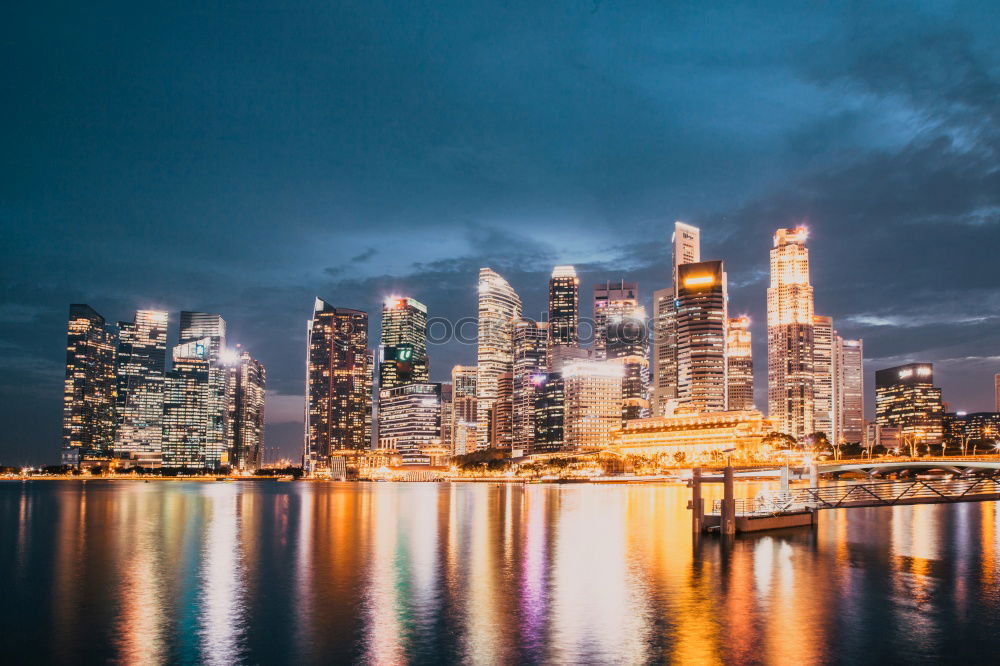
243	158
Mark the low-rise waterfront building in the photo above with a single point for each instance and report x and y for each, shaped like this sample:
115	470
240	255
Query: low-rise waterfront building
690	437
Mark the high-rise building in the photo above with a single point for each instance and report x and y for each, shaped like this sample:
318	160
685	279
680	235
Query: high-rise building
739	362
593	402
499	308
463	409
187	402
338	385
89	389
628	345
701	316
905	396
848	391
447	415
141	373
410	420
611	299
549	412
790	335
247	379
198	327
685	249
564	307
823	376
404	343
530	342
502	413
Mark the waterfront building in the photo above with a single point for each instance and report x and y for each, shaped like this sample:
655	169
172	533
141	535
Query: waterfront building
447	415
499	308
564	307
210	329
187	402
611	299
905	396
628	345
687	437
89	388
247	382
790	335
403	343
889	437
141	373
530	344
502	413
549	413
410	420
823	376
463	409
739	365
338	385
701	316
593	403
848	391
981	429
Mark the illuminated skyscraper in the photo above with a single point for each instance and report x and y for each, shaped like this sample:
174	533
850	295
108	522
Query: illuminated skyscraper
790	335
141	371
628	345
905	397
187	402
198	327
89	389
499	308
463	409
685	249
593	403
739	362
247	379
410	420
530	341
447	415
611	299
404	342
338	385
701	316
549	413
848	391
564	307
823	416
502	413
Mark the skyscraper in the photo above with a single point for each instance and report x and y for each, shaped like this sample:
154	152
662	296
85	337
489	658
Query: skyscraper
593	405
248	379
564	307
410	420
848	391
530	341
628	345
502	413
89	389
338	385
611	299
141	373
701	316
790	335
463	409
905	396
549	413
211	330
499	308
739	362
404	342
823	416
187	402
685	249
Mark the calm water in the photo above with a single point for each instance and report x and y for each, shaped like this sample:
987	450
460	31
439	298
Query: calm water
265	572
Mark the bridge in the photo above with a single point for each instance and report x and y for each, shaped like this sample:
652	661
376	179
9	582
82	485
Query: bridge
950	465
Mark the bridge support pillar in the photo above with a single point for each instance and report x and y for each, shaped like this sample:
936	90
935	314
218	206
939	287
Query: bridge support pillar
727	517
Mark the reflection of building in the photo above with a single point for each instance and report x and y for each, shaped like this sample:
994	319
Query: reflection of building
499	308
700	322
88	393
247	379
141	370
687	436
739	365
338	385
530	341
564	307
549	404
628	345
905	396
593	403
848	390
611	299
187	401
823	376
790	335
410	420
463	409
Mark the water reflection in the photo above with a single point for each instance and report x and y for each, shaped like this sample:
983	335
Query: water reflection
261	572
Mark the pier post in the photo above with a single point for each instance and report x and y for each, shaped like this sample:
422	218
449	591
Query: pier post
813	475
697	504
727	519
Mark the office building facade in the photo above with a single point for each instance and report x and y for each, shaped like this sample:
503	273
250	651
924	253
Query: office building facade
499	308
410	420
141	374
905	397
848	391
701	316
593	403
739	365
89	388
530	350
611	299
